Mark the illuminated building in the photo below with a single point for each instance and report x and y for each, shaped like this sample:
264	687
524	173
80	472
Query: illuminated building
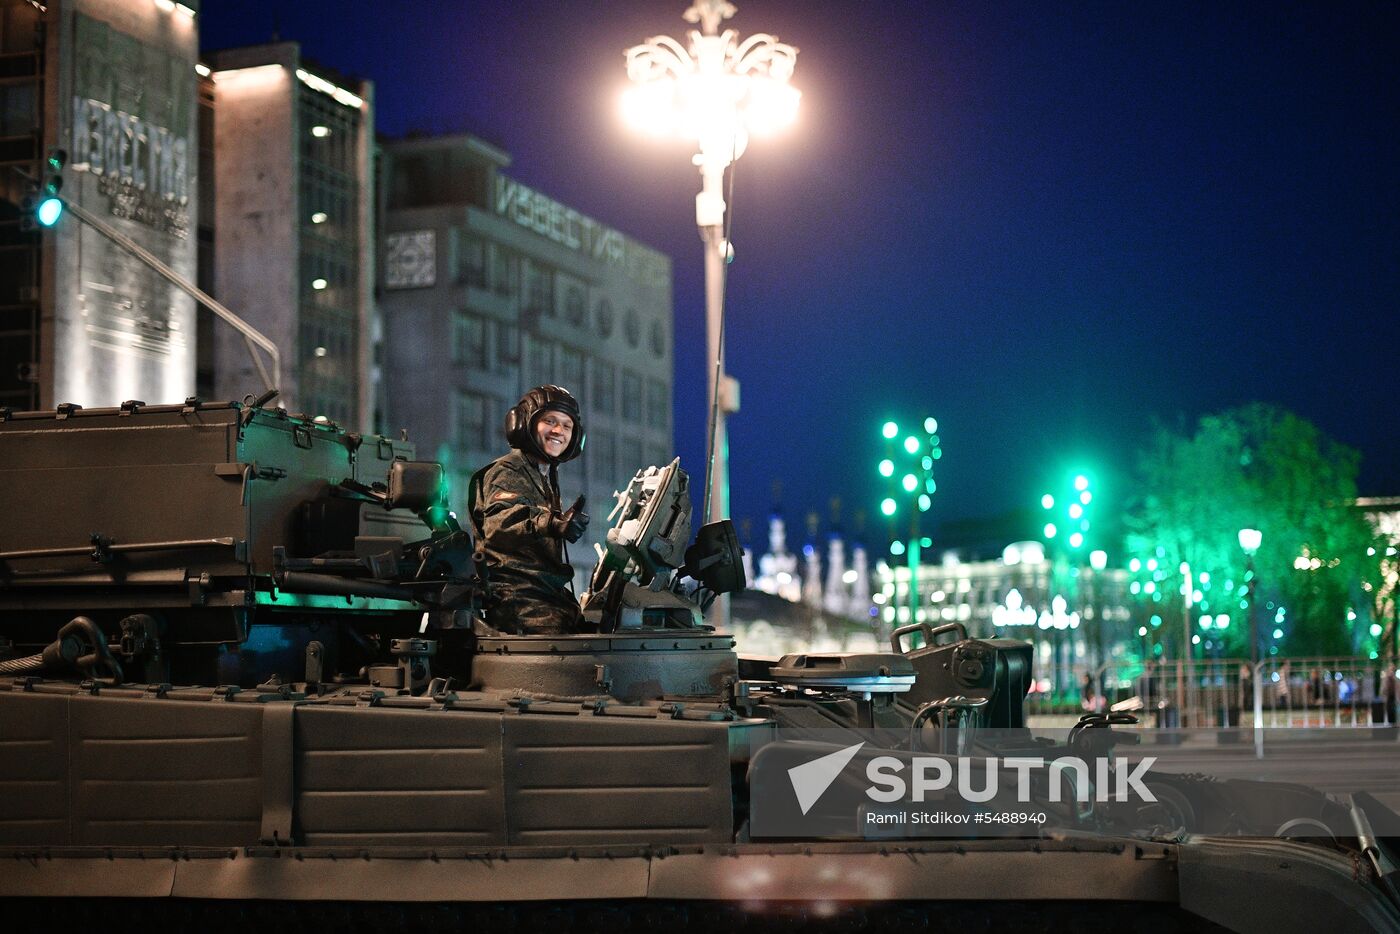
290	196
488	288
1073	615
112	83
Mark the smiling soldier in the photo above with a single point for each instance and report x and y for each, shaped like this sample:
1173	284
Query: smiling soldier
519	524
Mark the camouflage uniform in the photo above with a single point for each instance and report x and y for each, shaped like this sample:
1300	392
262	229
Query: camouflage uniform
529	578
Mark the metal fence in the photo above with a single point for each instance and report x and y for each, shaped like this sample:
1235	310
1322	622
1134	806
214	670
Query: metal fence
1277	692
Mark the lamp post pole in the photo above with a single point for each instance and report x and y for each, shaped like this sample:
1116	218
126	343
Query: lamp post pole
1250	539
715	92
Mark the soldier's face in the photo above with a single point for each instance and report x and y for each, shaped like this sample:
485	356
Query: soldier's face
554	431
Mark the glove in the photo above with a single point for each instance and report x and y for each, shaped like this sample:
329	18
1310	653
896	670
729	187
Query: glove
572	524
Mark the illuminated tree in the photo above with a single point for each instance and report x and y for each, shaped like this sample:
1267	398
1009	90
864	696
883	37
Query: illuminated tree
1263	468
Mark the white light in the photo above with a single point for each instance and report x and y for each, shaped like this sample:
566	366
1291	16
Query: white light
341	96
318	284
320	351
201	69
1195	640
319	217
1098	560
320	132
259	73
849	577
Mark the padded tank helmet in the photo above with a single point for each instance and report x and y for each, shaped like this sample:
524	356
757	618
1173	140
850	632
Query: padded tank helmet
520	421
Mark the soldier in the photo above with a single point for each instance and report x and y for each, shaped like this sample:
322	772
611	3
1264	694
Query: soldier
518	522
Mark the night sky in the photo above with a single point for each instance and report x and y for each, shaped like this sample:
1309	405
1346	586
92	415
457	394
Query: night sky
1045	224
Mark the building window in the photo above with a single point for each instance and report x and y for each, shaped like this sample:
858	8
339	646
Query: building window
571	372
575	305
658	338
658	406
469	340
632	328
630	457
469	421
604	387
539	291
603	458
471	261
604	316
507	344
631	397
503	270
539	364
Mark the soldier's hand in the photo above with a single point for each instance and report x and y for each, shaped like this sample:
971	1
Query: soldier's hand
572	524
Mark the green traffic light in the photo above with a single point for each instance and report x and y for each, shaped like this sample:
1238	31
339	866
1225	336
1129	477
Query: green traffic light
49	211
890	429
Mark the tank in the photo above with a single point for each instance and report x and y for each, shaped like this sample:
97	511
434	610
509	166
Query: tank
244	679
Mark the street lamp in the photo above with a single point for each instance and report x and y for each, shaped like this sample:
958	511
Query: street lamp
1250	540
912	458
717	92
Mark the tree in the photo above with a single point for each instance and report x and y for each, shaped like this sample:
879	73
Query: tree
1258	467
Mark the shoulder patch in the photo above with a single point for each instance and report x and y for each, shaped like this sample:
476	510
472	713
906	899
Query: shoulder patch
504	496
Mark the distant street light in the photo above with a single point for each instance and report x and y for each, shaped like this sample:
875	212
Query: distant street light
1250	540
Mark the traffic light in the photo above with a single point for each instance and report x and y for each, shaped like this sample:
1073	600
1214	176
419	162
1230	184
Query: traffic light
42	206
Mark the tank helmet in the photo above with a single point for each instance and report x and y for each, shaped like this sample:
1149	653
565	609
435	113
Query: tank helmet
520	421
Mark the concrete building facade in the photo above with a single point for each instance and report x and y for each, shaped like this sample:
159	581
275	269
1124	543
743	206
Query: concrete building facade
489	288
291	235
112	85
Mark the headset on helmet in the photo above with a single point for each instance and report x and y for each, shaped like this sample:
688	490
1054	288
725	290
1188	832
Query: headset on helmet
520	421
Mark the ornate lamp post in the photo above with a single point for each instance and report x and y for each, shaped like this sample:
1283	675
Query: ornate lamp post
716	92
1250	540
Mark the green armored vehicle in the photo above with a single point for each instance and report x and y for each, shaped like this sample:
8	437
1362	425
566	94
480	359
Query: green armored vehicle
244	679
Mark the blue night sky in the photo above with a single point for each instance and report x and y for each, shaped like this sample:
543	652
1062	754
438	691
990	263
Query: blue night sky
1045	224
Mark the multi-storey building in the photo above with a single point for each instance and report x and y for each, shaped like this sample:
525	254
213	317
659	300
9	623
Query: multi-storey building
488	288
292	195
108	85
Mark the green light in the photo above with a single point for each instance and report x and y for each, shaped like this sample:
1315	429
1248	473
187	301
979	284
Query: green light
1135	565
887	506
1076	540
1085	497
1047	501
910	483
890	430
1081	482
49	211
1075	510
911	444
930	425
930	486
887	468
1205	622
1142	630
926	463
1155	620
924	502
1049	530
937	454
925	542
897	548
1278	633
1376	630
